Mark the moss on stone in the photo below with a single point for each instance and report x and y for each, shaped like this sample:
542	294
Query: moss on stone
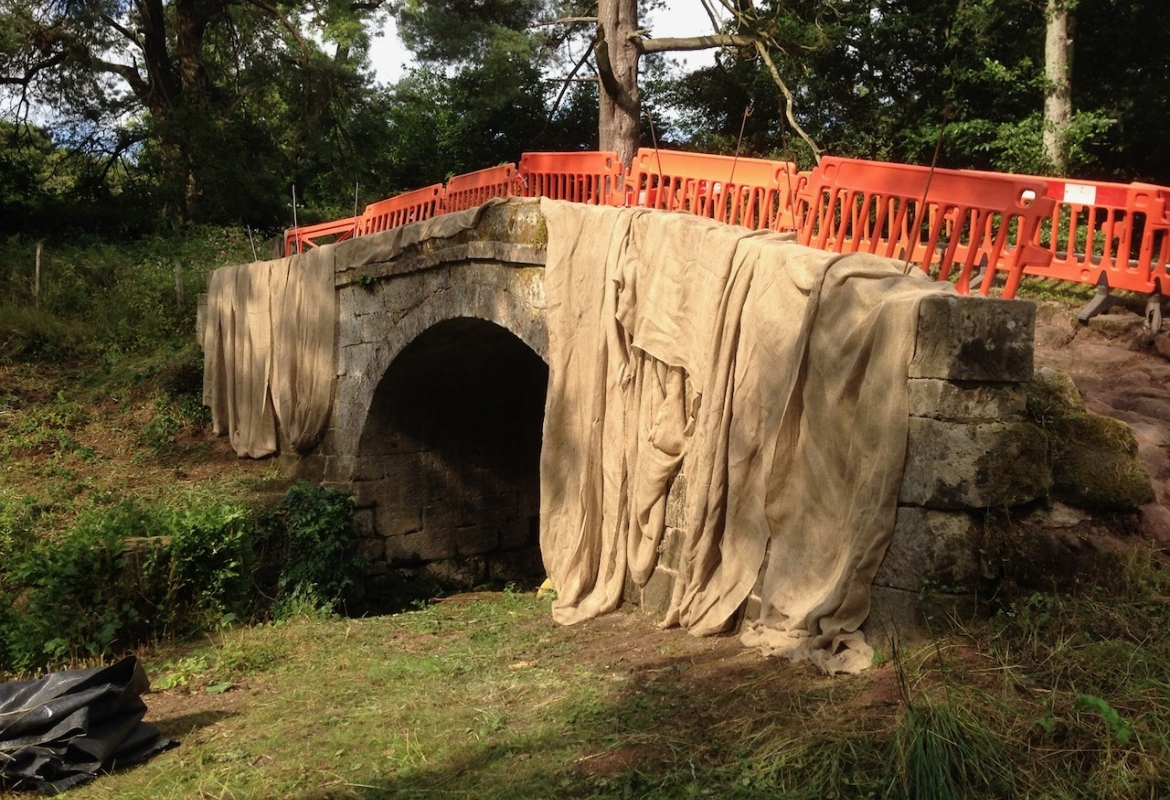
1095	462
1016	470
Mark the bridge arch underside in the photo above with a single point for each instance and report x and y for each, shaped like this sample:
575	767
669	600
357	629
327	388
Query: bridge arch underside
447	471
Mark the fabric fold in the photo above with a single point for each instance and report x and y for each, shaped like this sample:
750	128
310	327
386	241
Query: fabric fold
774	372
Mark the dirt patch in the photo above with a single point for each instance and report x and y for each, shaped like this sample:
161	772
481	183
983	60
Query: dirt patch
1123	371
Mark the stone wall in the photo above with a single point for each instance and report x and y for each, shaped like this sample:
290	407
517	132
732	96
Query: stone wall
439	401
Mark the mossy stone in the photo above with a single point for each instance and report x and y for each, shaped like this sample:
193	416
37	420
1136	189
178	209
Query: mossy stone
1095	461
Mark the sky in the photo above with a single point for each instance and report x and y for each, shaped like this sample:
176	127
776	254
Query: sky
679	18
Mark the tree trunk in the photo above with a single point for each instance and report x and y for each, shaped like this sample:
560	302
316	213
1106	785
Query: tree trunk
1058	43
617	66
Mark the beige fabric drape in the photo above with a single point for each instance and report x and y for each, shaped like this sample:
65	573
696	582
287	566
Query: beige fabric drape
268	351
778	372
304	318
237	349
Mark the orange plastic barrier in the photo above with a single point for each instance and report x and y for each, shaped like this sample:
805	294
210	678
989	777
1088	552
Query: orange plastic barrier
582	177
470	190
1107	234
297	239
752	192
940	218
407	207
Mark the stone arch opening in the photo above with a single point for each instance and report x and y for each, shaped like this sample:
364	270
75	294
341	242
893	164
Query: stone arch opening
448	465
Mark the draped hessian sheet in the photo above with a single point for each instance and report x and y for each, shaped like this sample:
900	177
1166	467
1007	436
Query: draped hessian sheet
777	372
268	351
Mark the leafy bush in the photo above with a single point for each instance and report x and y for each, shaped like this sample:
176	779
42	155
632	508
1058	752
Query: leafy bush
309	548
134	572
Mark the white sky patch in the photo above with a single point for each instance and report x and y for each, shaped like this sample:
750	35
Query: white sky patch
391	60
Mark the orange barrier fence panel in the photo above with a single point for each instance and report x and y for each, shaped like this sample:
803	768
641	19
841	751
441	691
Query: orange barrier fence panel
939	219
401	209
303	236
471	189
583	177
1112	231
752	192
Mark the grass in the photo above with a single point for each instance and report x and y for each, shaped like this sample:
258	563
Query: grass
484	696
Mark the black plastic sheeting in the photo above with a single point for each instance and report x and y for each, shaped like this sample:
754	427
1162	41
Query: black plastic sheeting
63	729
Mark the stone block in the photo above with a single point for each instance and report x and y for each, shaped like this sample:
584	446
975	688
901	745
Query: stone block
363	524
356	360
349	331
518	565
670	548
462	573
974	339
338	468
396	520
949	400
475	540
952	465
905	618
309	468
519	532
657	591
413	548
676	502
442	515
929	548
402	483
375	327
371	550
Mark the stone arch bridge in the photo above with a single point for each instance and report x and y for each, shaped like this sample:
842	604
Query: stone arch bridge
437	370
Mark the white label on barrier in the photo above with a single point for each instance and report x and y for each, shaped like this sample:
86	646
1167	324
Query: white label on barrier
1080	193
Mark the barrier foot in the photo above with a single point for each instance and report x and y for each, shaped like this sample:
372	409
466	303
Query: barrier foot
1154	311
979	274
1102	302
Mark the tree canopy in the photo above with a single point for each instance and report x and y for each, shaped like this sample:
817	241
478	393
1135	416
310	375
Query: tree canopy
135	112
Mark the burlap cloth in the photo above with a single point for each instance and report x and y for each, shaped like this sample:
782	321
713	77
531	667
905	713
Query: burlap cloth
777	372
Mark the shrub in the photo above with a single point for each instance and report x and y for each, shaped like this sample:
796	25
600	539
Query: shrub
134	572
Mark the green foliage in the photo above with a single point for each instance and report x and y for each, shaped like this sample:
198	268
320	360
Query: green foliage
308	543
101	298
136	571
943	752
1118	725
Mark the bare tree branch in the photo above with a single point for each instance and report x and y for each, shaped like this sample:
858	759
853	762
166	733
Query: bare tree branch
31	70
129	34
790	101
565	21
126	72
691	43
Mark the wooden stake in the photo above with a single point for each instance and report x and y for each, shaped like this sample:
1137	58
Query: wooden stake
37	280
178	284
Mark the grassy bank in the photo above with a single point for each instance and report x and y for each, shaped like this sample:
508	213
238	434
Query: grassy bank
484	696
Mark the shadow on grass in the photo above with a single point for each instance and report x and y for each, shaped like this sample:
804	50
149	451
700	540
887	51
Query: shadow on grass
186	724
694	726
